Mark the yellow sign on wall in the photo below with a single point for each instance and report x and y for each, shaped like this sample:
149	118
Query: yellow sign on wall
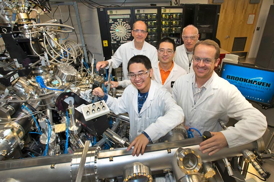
105	43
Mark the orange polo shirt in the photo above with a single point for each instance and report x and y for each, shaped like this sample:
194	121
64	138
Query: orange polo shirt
164	74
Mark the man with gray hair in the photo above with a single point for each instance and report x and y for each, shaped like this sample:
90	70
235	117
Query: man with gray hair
184	53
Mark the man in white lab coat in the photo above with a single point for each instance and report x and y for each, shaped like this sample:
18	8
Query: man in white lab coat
207	99
166	71
184	52
152	110
138	46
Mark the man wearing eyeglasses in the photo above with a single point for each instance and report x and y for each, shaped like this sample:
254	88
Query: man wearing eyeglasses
207	99
152	110
166	71
184	52
138	46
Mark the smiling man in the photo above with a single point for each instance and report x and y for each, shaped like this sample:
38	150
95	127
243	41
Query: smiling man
207	99
138	46
183	56
151	108
166	71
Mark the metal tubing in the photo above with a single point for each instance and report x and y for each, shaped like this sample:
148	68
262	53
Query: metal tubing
75	6
157	157
82	162
42	169
80	30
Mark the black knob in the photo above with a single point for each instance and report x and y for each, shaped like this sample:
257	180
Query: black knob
206	135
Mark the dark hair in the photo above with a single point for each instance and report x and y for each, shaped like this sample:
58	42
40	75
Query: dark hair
167	39
140	59
209	43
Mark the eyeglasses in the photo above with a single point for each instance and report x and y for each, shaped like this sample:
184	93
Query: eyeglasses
140	31
192	37
141	74
205	60
168	51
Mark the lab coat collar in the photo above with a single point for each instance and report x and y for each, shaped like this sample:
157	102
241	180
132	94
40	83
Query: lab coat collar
150	96
210	86
149	99
144	48
156	70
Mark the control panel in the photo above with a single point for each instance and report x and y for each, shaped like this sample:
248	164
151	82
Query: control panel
171	23
120	29
95	110
149	16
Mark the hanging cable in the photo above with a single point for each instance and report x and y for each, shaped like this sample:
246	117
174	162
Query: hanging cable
190	132
48	140
41	83
67	133
34	119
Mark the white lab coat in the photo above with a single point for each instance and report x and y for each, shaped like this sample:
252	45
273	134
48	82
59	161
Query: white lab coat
125	52
181	58
220	101
158	116
175	73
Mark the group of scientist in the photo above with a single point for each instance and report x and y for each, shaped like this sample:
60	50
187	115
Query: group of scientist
170	85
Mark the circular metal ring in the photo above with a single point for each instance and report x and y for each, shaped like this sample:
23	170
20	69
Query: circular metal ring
188	160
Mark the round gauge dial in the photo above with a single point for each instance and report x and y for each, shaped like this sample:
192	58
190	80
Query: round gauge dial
120	30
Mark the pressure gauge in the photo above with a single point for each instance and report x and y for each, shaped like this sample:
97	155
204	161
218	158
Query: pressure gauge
120	30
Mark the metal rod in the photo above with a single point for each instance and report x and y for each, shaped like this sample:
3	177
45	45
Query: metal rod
82	162
80	30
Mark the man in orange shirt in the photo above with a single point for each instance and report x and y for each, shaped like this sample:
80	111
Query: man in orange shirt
167	71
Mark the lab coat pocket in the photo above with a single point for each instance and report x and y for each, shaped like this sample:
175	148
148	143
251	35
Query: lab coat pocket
210	120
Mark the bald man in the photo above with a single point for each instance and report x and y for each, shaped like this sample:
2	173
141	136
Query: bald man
138	46
184	52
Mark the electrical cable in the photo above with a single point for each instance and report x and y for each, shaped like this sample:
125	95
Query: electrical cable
67	18
35	133
55	11
53	57
48	140
67	133
92	3
21	101
123	3
262	179
40	81
84	3
50	24
46	35
72	24
61	14
30	38
96	3
190	132
34	119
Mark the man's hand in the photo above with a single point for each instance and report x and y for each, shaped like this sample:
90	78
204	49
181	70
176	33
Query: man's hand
113	84
139	143
101	64
213	144
98	92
